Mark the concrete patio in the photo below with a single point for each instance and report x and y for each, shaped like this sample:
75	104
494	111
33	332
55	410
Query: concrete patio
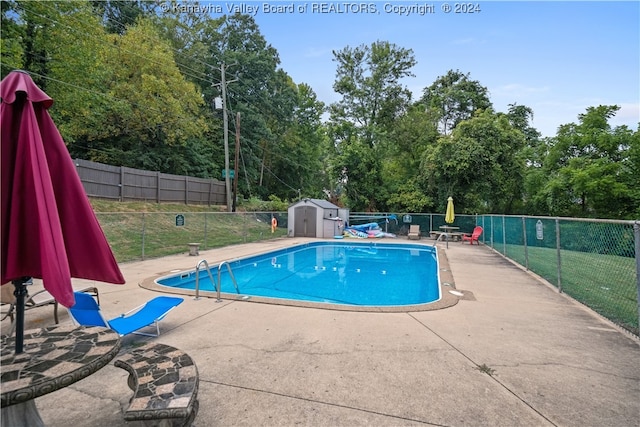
511	352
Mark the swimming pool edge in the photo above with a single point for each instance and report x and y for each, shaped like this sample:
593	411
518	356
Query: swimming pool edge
446	284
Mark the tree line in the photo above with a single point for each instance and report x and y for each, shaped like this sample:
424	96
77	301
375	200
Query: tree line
136	85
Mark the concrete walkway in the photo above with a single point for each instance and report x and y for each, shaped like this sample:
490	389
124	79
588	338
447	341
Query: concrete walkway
511	352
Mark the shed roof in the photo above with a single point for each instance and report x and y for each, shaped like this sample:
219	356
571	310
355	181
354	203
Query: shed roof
324	204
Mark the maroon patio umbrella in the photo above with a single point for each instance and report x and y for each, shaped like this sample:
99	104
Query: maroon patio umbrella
49	229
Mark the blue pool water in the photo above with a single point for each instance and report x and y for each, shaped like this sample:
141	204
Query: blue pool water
370	274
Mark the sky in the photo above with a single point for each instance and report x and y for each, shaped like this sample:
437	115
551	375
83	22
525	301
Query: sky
558	58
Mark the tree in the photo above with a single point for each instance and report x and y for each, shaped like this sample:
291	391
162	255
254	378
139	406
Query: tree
630	174
152	108
78	75
453	98
11	34
302	148
33	27
477	164
373	99
263	94
368	78
586	167
412	135
117	15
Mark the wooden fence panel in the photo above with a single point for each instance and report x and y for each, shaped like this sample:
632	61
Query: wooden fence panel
123	183
139	184
173	188
99	180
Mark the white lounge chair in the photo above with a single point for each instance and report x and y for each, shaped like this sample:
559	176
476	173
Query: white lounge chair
414	232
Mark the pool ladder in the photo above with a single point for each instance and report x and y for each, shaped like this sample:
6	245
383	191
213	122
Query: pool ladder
217	284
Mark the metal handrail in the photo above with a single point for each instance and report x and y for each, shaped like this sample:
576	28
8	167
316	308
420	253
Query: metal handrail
216	284
203	261
233	278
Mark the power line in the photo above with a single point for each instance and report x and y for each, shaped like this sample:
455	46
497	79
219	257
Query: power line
195	74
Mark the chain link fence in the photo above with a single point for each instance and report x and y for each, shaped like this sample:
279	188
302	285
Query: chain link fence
399	223
138	236
593	261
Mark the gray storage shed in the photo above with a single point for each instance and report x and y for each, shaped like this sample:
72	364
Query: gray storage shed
316	218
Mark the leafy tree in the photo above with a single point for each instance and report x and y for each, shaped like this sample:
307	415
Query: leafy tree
302	148
361	176
532	153
630	174
78	74
477	165
453	98
117	15
33	28
11	34
585	167
151	110
368	78
520	116
412	135
373	99
265	96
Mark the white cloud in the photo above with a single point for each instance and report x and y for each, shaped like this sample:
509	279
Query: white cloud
629	113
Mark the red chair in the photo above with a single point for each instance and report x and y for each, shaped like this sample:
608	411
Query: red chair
474	236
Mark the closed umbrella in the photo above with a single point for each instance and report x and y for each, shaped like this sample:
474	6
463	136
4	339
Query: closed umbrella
49	229
450	216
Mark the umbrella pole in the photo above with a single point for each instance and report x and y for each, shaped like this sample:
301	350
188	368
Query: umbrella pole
20	294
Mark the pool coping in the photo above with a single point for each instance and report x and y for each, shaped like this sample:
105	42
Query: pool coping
447	299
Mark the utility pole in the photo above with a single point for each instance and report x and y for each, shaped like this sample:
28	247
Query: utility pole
236	160
225	126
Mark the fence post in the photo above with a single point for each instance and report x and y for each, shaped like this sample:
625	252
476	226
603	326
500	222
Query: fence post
186	190
526	249
205	231
492	229
558	251
121	183
143	233
636	233
504	235
158	181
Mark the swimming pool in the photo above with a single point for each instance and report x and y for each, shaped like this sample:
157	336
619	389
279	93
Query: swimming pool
352	274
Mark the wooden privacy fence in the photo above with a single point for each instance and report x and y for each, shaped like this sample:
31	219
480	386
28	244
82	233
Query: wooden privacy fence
123	183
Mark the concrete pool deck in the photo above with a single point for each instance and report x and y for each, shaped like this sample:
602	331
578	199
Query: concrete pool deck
511	352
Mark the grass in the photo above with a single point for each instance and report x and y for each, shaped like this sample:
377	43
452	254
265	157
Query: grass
605	283
486	369
138	230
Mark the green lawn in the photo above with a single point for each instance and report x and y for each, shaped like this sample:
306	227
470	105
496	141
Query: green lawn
605	283
138	230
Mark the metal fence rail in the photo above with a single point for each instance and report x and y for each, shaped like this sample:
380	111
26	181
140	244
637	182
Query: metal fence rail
593	261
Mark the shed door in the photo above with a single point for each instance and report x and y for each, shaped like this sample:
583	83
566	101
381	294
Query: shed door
305	221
